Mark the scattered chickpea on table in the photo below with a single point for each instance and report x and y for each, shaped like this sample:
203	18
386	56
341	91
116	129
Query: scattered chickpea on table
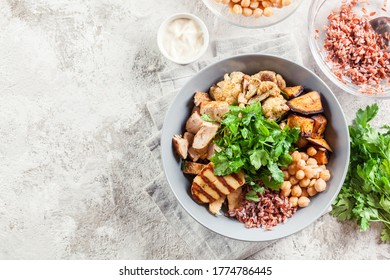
256	8
304	178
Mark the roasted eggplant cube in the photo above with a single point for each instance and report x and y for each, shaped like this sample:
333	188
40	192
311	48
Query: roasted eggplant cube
321	156
292	92
306	125
307	104
321	143
320	123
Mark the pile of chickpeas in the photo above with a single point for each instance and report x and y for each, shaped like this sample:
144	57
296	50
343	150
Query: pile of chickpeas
304	178
256	8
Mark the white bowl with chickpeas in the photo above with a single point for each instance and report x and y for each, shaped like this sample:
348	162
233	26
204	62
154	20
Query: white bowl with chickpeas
253	13
310	183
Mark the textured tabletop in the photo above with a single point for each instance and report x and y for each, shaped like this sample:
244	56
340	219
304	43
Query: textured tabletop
74	76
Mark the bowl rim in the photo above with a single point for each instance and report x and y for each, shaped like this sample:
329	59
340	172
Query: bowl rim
219	15
323	66
203	27
165	143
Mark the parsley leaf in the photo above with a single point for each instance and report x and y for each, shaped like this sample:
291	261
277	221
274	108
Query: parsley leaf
251	142
365	195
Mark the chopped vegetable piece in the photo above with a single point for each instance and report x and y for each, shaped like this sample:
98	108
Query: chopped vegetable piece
292	92
305	125
307	104
320	123
320	142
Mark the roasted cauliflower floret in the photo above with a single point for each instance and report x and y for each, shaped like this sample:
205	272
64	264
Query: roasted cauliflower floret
275	107
263	91
228	89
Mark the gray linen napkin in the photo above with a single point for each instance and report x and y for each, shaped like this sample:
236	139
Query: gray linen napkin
204	243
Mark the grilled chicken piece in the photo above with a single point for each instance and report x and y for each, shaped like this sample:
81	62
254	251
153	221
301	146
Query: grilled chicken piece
204	136
234	199
180	145
194	123
215	109
215	207
193	168
195	155
228	89
207	187
275	108
200	97
189	137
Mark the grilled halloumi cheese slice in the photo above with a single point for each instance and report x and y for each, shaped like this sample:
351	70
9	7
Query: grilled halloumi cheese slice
208	187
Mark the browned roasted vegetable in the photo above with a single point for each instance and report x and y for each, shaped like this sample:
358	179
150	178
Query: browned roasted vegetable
320	123
307	104
292	92
321	156
193	168
306	125
320	142
302	142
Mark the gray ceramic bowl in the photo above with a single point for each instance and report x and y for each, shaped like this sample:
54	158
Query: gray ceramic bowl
294	74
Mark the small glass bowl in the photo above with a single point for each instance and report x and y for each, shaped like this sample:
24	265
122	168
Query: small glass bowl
318	18
222	11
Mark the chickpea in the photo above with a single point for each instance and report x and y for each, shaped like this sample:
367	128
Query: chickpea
317	173
258	12
311	151
285	193
293	180
296	191
309	172
247	12
303	201
296	156
312	183
279	3
311	161
324	175
304	183
286	175
237	9
236	1
286	2
285	186
293	201
304	156
323	167
311	191
301	164
254	5
245	3
320	185
300	174
292	169
304	192
268	11
267	4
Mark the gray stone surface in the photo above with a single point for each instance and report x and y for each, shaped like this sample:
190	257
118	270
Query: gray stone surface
73	78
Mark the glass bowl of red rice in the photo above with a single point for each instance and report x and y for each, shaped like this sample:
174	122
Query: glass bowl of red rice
347	49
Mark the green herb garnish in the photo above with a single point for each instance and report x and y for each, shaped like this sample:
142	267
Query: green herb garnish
251	142
365	195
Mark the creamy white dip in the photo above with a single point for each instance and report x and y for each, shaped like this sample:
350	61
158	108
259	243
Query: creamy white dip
183	39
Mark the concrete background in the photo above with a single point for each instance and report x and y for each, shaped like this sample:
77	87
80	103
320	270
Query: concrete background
74	76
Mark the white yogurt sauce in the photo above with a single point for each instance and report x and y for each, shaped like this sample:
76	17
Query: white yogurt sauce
183	39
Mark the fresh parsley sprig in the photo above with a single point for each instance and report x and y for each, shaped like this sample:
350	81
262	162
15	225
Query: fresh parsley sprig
251	142
365	195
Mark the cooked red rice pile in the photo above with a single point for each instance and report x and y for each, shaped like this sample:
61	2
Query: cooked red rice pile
271	210
355	49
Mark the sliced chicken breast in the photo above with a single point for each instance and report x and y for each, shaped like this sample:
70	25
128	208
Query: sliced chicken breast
180	146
